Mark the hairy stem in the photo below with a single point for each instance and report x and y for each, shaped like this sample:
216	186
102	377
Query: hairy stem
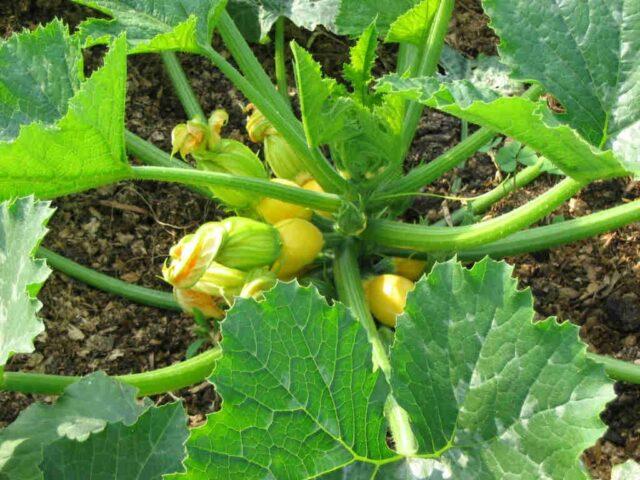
349	284
135	293
550	236
427	65
263	188
482	203
181	86
167	379
433	239
425	174
280	60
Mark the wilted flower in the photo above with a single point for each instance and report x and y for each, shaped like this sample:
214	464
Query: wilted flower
189	137
191	301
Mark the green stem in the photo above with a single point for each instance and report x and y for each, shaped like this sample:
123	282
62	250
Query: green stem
482	203
167	379
280	60
618	369
550	236
349	285
264	188
428	63
182	87
432	239
427	173
285	123
151	155
136	293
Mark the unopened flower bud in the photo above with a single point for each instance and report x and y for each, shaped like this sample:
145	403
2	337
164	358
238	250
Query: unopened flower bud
231	156
274	211
189	259
192	301
282	159
189	137
301	244
249	244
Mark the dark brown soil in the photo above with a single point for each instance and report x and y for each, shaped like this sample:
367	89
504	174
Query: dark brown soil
125	230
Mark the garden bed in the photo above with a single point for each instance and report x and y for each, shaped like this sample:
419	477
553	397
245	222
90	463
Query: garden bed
126	230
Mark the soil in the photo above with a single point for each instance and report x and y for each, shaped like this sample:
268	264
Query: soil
125	230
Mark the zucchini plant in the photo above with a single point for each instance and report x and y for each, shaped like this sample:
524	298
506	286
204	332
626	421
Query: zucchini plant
450	377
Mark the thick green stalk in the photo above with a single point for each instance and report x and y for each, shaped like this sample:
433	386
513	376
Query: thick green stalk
549	236
451	239
280	60
182	87
265	188
285	123
427	173
428	63
482	203
151	155
618	369
136	293
349	285
167	379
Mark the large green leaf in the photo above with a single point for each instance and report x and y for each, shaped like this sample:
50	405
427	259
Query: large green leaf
504	397
86	407
413	26
299	394
255	18
587	54
148	449
84	147
485	69
22	228
527	121
154	25
29	94
484	387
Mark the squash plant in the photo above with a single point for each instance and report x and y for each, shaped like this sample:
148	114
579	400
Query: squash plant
467	385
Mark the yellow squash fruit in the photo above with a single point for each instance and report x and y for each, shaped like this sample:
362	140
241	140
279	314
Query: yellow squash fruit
314	186
301	244
409	268
274	211
387	296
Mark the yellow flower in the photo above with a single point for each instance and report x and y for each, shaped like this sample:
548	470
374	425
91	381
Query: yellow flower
387	297
248	244
301	244
274	211
188	138
189	259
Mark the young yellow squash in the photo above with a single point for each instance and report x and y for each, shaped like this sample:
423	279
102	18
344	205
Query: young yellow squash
387	296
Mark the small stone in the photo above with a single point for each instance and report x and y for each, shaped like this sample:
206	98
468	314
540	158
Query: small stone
75	333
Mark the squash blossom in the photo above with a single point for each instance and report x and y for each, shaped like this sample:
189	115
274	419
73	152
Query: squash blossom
233	157
189	137
192	300
409	267
221	281
248	244
301	244
190	258
274	211
217	120
282	159
387	297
